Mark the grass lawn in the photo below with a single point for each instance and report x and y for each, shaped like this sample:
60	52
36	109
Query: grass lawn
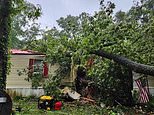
29	107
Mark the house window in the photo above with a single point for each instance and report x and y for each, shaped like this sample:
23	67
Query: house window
36	65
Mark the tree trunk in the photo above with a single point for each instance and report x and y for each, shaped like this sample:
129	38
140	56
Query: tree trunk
136	67
5	6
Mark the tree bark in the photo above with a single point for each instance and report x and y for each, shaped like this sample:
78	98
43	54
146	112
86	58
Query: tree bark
134	66
5	6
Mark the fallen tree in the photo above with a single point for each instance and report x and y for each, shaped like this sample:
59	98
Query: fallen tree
134	66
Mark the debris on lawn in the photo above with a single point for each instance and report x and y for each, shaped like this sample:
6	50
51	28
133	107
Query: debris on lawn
65	90
74	95
69	93
102	105
85	100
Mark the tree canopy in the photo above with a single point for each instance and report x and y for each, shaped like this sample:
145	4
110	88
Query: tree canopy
124	37
126	33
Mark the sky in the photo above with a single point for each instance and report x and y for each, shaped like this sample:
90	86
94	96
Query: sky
54	9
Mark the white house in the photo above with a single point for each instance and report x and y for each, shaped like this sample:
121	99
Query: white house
17	85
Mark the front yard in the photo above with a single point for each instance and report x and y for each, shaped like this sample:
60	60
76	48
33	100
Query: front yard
29	107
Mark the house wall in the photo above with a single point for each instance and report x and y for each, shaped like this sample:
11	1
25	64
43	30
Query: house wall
53	68
150	82
17	84
69	79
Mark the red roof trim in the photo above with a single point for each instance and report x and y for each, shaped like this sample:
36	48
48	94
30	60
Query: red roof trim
24	52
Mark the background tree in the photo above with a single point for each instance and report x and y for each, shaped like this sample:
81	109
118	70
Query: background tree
24	28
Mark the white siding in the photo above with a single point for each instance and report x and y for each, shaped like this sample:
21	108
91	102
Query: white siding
17	85
53	68
19	62
25	92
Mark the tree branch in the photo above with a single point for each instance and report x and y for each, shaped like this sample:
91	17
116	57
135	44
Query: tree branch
136	67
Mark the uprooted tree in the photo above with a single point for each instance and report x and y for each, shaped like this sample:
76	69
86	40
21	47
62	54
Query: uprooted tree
123	77
127	34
